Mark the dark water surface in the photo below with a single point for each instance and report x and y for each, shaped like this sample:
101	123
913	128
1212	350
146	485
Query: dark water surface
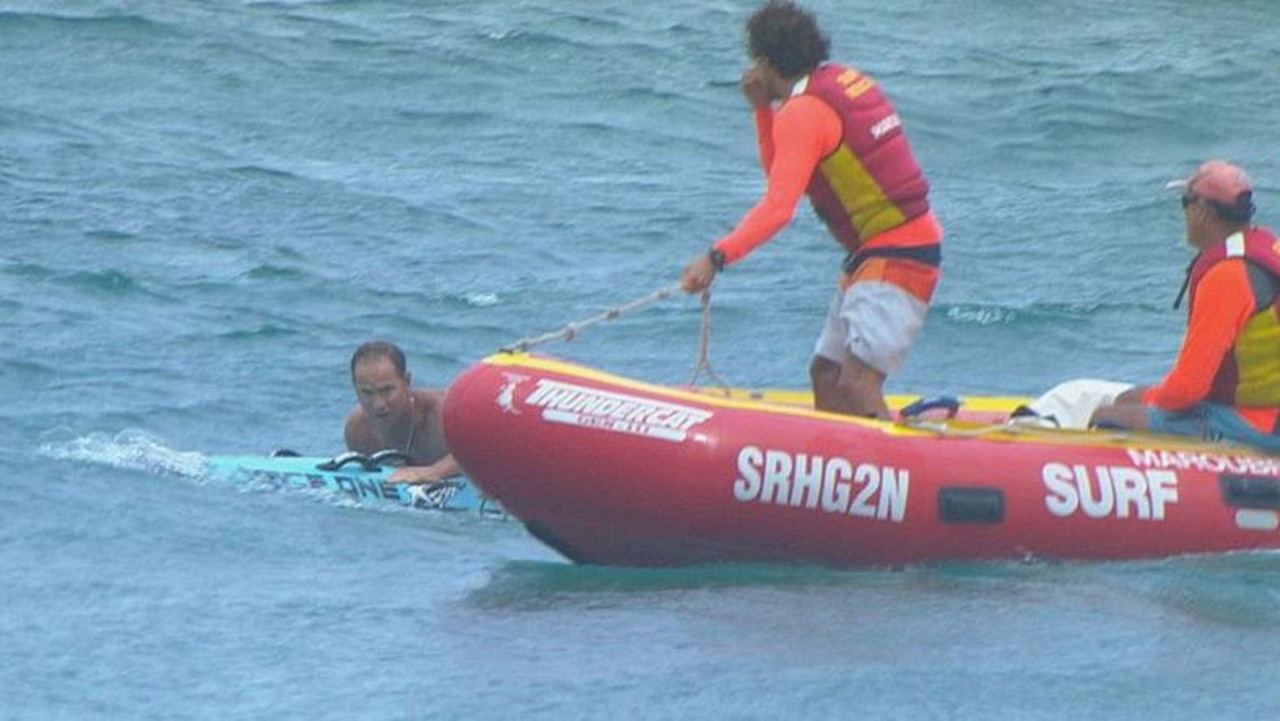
206	205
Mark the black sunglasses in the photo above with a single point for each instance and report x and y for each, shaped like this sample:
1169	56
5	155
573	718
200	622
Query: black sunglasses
1188	199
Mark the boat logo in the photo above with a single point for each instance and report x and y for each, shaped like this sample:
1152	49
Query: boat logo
507	394
577	405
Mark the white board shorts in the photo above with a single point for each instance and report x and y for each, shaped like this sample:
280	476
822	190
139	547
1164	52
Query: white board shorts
873	321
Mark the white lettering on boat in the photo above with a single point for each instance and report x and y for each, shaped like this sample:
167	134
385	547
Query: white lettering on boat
1209	462
1109	491
832	485
592	408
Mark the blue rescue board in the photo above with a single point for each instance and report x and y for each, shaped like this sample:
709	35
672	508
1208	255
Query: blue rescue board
362	478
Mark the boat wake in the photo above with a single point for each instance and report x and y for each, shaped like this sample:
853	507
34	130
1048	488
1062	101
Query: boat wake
130	449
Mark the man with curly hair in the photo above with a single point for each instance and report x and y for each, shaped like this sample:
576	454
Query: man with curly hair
828	131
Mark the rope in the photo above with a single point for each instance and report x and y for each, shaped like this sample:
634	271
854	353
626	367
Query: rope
1013	428
571	331
704	347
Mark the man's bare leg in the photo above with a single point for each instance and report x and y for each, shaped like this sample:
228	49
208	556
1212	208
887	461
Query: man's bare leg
1124	415
853	388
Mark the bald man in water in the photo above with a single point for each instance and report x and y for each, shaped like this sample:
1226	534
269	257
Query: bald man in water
391	415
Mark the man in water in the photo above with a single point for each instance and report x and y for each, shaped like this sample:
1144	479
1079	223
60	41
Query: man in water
836	137
391	415
1225	383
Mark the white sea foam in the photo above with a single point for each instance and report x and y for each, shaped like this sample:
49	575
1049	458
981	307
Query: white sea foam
131	449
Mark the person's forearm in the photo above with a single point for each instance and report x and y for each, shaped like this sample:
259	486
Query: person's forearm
764	136
446	467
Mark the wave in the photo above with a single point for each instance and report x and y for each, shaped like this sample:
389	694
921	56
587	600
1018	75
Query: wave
514	38
131	450
262	172
25	370
454	119
265	331
1237	590
1038	313
26	269
116	24
109	234
110	282
530	585
473	299
106	280
275	272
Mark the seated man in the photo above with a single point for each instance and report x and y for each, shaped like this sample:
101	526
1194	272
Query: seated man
393	416
1225	384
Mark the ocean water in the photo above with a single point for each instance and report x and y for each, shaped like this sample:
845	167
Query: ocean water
205	205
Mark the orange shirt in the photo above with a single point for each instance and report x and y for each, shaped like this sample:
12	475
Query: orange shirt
1223	304
792	142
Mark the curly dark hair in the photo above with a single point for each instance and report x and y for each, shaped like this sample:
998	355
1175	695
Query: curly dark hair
788	37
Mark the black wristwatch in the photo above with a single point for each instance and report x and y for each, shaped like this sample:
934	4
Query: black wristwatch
717	259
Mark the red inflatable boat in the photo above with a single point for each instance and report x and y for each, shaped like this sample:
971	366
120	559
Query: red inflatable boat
608	470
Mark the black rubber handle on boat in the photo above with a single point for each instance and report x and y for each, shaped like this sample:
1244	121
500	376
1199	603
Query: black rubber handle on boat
924	405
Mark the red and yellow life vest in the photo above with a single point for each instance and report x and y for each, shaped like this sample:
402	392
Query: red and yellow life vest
1250	375
871	182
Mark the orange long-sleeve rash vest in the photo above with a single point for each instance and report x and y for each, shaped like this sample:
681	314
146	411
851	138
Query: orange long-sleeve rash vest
1223	305
792	142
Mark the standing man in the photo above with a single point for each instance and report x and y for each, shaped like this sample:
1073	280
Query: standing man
392	415
835	137
1225	383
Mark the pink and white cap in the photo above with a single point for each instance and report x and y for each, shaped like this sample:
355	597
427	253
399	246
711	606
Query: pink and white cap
1216	180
